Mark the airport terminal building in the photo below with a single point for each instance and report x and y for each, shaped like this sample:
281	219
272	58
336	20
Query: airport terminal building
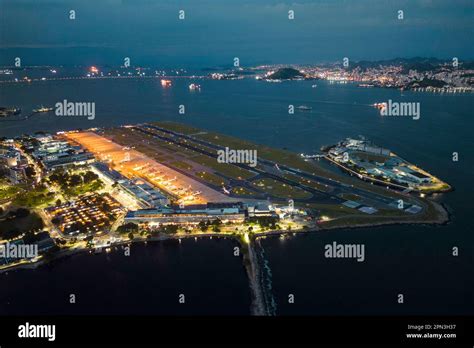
193	214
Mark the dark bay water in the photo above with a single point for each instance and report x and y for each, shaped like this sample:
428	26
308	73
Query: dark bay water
413	260
147	282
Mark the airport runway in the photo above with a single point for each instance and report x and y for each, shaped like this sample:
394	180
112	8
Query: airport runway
339	187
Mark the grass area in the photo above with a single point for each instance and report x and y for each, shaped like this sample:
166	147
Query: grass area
91	187
181	165
347	217
168	147
350	197
242	191
350	221
226	169
34	198
177	127
332	210
146	144
393	212
280	156
8	191
309	183
280	189
159	159
211	178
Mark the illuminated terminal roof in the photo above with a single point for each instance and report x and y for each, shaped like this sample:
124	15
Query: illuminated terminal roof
145	193
234	211
148	195
110	174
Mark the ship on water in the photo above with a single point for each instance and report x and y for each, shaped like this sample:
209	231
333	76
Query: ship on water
42	109
5	111
304	108
166	83
380	106
194	87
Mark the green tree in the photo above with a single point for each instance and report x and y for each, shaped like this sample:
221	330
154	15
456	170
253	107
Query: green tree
30	172
216	222
89	177
203	226
75	180
129	227
171	229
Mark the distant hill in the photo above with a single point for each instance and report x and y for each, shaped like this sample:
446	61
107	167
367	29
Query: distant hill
420	64
427	83
286	74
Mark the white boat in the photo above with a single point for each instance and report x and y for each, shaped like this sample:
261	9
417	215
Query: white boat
194	87
304	107
42	109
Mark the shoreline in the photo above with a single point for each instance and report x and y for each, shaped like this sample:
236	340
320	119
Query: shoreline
445	219
250	262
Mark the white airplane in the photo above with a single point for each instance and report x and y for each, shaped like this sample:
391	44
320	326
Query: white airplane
136	168
226	191
170	180
154	175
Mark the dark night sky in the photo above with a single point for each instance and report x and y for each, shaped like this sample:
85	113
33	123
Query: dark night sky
215	31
